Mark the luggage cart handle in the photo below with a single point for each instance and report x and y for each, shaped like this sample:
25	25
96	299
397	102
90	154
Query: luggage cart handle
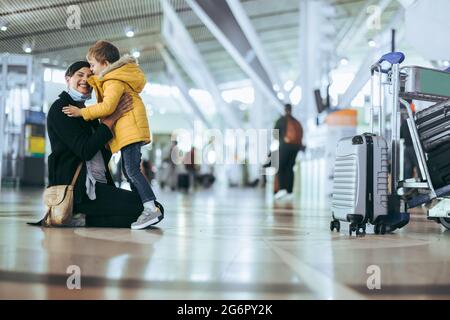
391	57
376	67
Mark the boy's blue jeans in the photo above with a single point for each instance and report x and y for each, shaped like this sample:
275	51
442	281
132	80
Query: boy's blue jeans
131	166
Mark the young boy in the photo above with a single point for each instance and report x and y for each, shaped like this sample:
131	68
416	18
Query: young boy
114	76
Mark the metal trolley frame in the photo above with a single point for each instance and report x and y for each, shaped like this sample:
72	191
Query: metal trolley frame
420	84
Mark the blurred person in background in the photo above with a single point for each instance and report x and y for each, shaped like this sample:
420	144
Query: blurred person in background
291	136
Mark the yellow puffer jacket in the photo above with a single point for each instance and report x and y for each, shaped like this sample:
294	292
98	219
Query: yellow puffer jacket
119	77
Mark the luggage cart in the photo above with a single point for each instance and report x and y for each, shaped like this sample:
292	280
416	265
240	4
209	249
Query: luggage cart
387	69
420	84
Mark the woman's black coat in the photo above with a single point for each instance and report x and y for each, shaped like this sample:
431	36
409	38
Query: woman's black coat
73	141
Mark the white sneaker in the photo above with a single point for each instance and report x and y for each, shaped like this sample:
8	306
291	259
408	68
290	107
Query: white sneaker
147	218
280	194
289	197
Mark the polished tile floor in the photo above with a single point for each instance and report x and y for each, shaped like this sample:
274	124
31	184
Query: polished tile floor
219	244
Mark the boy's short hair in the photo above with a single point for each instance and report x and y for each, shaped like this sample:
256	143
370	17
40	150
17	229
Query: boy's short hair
103	51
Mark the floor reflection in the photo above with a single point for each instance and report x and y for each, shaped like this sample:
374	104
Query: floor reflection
218	245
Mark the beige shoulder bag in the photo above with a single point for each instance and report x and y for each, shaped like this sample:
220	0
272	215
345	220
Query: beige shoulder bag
59	202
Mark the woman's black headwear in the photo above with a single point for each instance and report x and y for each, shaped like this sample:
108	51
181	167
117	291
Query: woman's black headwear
74	67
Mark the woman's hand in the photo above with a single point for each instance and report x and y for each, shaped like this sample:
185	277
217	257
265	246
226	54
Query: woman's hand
72	111
125	105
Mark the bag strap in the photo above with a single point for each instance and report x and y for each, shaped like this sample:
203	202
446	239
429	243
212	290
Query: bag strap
75	177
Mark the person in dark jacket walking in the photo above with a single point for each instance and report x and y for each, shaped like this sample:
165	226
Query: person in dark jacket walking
290	135
74	141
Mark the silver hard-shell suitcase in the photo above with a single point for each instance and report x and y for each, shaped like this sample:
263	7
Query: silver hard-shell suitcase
360	187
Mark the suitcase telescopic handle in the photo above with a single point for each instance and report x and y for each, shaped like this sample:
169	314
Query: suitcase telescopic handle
372	104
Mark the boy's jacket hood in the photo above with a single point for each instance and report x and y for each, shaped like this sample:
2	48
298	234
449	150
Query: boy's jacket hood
126	70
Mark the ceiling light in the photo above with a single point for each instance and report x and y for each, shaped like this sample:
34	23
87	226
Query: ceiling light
135	53
296	95
288	85
372	43
3	25
344	61
280	96
276	87
129	32
28	46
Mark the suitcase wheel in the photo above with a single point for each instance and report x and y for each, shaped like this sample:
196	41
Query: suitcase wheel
361	230
380	228
335	224
352	228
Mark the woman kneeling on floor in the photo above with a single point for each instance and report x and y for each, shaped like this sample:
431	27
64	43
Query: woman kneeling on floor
97	201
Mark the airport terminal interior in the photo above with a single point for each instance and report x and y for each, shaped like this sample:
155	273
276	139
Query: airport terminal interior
299	148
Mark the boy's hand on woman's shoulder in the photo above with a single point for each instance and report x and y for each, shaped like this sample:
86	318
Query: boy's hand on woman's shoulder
72	111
